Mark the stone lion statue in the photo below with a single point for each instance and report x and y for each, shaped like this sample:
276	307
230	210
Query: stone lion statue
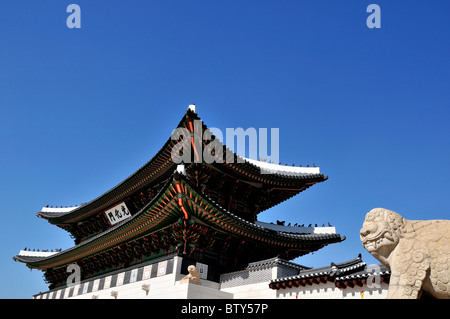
193	277
417	252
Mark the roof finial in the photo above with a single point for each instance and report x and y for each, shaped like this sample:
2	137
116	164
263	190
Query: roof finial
192	108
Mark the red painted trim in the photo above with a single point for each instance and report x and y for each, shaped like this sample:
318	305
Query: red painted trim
180	200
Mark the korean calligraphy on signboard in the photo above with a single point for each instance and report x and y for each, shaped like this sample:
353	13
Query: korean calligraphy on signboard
118	213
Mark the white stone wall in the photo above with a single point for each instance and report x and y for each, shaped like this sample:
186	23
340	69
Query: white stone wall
254	283
330	291
246	284
160	287
369	293
245	277
168	287
325	291
165	286
255	291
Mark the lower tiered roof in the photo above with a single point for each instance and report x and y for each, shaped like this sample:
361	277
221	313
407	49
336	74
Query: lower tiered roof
205	211
181	219
354	272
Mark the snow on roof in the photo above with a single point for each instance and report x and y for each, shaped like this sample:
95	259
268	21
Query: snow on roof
271	168
192	108
58	209
36	253
299	229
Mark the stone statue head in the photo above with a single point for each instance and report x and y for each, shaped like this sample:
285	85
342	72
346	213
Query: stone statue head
193	271
381	232
193	277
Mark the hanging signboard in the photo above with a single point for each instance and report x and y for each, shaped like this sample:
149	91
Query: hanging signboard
118	213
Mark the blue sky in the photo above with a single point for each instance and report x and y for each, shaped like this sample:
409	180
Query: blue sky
84	108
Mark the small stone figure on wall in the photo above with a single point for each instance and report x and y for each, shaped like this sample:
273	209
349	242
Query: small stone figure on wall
193	277
416	251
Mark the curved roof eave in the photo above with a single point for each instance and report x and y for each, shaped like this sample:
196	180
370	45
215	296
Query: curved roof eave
129	225
53	215
33	261
327	238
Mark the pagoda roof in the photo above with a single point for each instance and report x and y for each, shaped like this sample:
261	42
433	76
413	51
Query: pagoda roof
201	208
287	180
369	270
354	270
179	200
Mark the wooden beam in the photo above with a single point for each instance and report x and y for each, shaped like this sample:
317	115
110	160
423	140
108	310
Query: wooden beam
340	284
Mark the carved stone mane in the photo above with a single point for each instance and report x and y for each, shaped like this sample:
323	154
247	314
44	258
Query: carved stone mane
417	253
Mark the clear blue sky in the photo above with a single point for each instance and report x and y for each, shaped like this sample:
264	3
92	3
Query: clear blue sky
82	109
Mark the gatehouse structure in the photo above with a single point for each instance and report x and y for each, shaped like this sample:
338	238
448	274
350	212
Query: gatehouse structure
138	239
